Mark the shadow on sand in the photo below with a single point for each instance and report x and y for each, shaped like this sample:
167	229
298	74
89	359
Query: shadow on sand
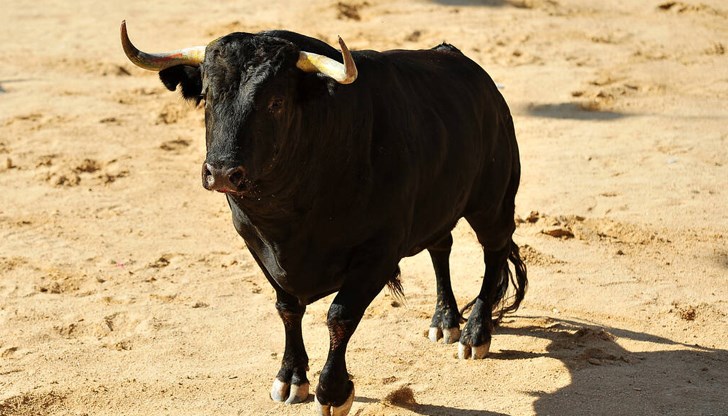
4	82
571	111
670	378
435	410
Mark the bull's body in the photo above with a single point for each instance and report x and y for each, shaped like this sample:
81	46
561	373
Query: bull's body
388	165
332	185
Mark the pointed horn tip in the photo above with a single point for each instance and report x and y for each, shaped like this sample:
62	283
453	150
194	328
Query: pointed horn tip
129	49
125	42
342	44
350	66
125	36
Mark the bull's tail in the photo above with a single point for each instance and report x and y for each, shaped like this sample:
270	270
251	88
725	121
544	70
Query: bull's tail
503	304
517	278
395	286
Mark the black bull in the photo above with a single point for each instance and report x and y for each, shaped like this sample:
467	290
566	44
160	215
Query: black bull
332	185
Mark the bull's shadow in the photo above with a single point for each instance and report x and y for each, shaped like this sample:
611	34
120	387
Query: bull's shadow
670	379
435	410
607	379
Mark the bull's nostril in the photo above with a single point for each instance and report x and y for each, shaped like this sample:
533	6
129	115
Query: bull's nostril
208	179
236	177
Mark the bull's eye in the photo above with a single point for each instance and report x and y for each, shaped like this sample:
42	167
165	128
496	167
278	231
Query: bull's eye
275	105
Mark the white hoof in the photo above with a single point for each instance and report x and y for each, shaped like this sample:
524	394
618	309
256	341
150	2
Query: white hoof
448	335
299	394
279	390
463	351
434	334
289	393
476	353
451	335
343	410
481	351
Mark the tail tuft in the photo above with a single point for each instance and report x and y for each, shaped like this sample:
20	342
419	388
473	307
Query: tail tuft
502	304
395	286
519	280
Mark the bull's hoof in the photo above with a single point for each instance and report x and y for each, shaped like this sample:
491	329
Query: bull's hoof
477	333
476	353
343	410
448	335
289	393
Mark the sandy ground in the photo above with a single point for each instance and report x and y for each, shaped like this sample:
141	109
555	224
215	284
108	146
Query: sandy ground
124	288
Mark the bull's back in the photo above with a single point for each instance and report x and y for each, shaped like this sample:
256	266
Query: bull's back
447	124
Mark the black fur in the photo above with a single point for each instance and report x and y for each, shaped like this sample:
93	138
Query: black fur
187	77
340	182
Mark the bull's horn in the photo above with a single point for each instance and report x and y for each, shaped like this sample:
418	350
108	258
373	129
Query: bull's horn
159	61
343	74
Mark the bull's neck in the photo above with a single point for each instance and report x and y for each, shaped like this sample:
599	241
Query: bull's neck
322	169
266	214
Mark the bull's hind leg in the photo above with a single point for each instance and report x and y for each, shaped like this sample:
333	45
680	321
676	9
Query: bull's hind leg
446	319
498	248
476	336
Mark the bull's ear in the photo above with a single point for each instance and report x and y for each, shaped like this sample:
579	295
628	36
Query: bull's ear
187	76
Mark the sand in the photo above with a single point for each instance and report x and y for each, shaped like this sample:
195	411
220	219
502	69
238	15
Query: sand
124	289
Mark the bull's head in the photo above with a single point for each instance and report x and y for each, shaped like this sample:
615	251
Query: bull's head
251	86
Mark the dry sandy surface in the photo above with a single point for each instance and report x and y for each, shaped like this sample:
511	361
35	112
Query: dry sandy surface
124	288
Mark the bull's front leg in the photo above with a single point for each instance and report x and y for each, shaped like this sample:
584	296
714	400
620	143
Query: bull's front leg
291	384
335	391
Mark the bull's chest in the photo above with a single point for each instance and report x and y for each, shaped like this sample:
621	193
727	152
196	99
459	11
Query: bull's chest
291	264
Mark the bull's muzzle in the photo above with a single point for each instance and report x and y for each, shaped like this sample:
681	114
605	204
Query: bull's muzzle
223	179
